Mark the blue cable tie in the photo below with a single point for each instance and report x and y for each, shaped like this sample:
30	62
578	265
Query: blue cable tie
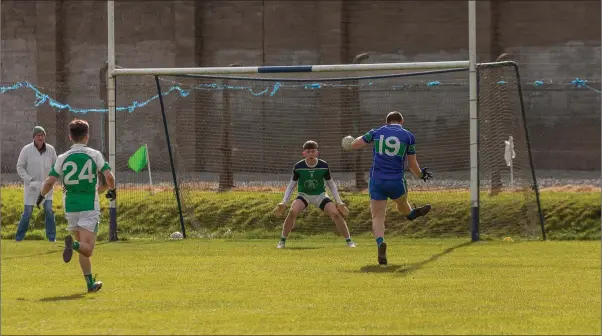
580	83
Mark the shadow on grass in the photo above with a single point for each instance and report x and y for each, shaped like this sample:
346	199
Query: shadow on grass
63	297
405	269
146	241
381	268
56	249
32	255
303	248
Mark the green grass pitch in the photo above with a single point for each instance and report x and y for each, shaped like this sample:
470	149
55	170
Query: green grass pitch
315	286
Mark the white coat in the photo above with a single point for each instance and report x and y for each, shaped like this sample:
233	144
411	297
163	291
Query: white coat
33	168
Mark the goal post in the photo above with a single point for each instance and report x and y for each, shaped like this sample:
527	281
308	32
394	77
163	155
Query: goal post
513	75
304	92
111	112
290	69
474	119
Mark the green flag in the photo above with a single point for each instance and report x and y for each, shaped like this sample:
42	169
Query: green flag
137	162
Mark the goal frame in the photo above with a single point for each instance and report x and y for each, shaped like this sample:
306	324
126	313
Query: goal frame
470	64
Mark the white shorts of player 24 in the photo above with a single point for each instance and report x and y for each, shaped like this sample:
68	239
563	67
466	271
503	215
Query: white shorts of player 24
318	201
87	220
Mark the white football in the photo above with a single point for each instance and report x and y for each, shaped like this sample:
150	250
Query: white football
176	235
346	142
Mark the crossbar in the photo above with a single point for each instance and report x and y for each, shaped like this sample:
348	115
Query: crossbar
289	69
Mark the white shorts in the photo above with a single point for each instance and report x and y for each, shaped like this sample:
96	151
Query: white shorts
87	220
319	201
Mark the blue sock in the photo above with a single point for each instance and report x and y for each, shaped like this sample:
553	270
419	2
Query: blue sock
282	238
412	214
348	239
380	240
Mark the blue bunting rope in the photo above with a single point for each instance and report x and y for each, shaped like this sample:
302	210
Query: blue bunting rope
43	98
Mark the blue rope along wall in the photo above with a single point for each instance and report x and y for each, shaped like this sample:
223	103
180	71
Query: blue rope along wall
42	98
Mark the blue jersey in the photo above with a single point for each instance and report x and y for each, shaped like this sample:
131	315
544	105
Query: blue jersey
391	145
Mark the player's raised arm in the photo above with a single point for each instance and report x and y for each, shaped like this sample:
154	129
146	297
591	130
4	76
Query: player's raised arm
361	141
358	143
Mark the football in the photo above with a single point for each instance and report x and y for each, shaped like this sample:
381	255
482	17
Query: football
176	235
346	142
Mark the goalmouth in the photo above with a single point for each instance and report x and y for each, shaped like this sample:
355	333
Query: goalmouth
486	91
499	94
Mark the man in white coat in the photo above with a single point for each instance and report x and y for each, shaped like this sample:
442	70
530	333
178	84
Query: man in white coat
33	166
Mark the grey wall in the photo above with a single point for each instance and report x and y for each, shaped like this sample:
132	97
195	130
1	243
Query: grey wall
60	46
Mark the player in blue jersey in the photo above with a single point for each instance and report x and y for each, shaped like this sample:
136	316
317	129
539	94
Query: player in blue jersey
392	144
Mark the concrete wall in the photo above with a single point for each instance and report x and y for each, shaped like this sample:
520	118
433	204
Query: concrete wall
60	46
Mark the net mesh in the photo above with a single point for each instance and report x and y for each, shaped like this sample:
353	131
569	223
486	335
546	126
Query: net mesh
502	137
235	142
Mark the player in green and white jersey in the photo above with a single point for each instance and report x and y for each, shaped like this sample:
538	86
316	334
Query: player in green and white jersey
78	170
311	174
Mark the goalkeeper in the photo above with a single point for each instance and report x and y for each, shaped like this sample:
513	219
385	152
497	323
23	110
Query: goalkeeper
392	144
310	174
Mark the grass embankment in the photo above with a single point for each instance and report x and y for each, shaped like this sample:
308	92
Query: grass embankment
568	215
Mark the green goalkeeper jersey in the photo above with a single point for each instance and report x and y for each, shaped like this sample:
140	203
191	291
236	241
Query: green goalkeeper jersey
311	179
78	169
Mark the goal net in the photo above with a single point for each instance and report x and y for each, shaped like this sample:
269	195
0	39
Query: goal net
234	142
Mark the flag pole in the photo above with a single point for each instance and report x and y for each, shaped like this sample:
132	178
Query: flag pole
150	178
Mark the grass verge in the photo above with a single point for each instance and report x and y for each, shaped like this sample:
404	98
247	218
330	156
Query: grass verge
569	215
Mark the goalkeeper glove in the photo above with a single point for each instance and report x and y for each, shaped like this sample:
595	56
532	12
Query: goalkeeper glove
425	174
111	194
39	200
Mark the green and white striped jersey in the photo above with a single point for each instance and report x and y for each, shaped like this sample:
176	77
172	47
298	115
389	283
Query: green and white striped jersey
78	168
